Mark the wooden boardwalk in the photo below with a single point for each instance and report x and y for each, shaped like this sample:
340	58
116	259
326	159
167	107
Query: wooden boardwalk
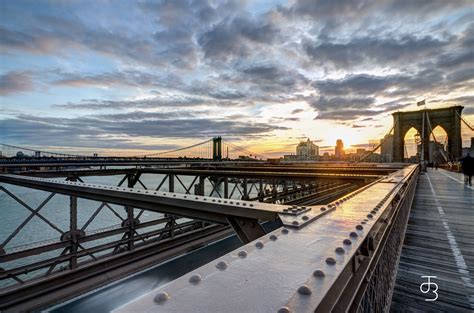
439	242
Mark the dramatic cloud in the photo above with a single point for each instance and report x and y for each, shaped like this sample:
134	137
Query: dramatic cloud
190	69
109	129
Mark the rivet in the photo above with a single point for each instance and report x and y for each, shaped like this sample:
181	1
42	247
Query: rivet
259	244
285	210
249	204
370	215
231	202
363	222
305	218
323	209
284	231
273	237
340	250
196	198
242	254
294	210
330	261
359	227
195	279
295	206
222	265
284	309
244	204
161	297
296	223
304	290
353	234
318	273
347	241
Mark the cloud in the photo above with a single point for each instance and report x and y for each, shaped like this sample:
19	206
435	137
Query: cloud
372	50
122	129
236	37
15	82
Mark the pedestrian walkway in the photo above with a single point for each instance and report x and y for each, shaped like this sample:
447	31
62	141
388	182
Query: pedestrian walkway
439	242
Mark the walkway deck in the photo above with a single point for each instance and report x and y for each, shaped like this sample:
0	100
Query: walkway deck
439	242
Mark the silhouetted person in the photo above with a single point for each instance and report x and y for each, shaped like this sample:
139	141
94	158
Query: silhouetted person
467	165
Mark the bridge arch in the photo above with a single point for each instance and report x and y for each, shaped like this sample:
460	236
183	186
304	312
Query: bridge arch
448	118
409	142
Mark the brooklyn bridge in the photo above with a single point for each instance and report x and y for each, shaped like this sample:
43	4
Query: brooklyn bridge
215	227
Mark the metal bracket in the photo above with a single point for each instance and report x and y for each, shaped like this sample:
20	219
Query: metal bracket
247	229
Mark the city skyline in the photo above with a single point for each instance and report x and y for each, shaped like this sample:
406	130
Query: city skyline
155	76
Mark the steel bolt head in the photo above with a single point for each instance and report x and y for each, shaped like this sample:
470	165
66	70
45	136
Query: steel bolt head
340	250
353	235
242	254
323	209
273	237
318	273
285	210
359	227
296	223
195	279
259	244
284	309
284	231
373	212
222	265
304	290
330	261
370	215
161	297
305	218
347	241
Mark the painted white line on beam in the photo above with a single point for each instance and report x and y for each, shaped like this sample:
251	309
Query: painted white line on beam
458	257
455	179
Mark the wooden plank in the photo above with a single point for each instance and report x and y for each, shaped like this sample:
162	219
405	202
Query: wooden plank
449	212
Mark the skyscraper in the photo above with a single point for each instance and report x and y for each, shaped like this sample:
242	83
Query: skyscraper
339	151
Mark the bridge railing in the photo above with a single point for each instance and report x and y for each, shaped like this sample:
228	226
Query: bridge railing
342	261
78	246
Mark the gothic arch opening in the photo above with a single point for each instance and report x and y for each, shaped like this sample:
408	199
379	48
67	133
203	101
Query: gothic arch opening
411	140
438	145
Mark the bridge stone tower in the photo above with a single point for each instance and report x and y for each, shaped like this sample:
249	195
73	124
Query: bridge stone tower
448	118
217	148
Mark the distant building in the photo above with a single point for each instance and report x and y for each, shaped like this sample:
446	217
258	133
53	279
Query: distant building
339	150
386	154
305	151
37	154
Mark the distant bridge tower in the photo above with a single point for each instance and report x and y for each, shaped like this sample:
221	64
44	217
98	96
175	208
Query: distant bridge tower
217	148
448	118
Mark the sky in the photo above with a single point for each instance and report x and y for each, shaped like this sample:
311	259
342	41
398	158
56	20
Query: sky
139	76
